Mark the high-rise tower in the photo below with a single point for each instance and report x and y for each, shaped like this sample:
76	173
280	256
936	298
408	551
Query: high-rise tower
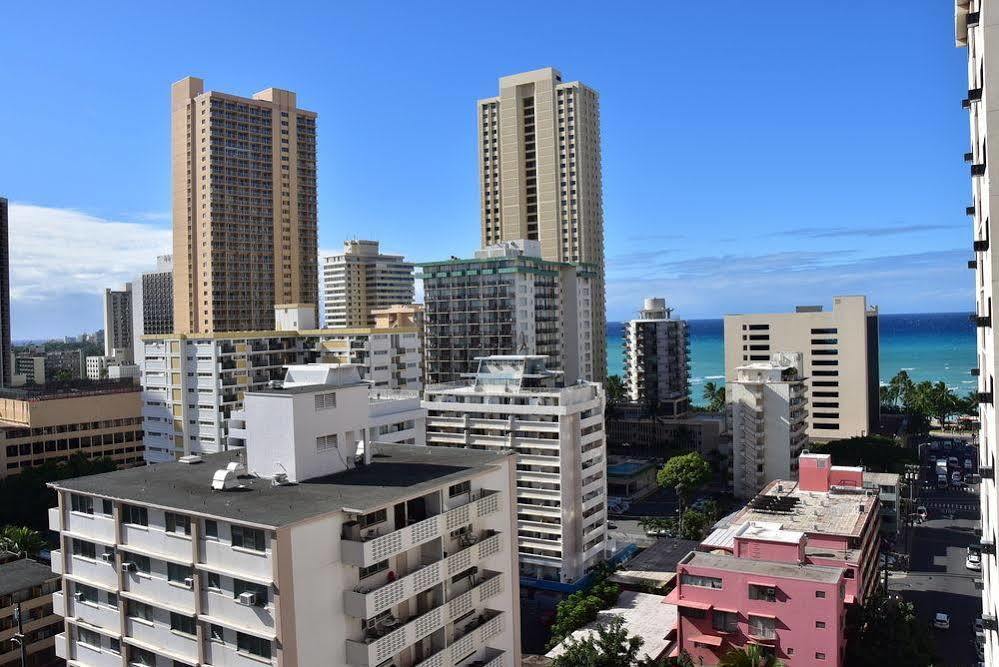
539	172
244	208
6	360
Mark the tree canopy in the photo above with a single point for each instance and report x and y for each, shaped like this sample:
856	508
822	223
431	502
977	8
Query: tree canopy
686	474
886	631
616	391
876	453
582	606
611	646
714	394
22	541
24	498
750	656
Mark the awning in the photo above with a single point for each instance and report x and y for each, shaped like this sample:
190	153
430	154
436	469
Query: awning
707	640
728	611
761	615
694	604
765	584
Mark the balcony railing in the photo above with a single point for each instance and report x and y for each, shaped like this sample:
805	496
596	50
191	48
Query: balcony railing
468	642
972	264
978	169
375	548
969	210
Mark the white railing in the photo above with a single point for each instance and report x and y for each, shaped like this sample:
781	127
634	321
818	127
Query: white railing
467	643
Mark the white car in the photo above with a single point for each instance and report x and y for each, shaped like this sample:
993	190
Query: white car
921	513
941	621
973	561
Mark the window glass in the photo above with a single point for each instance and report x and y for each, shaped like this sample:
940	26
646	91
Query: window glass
178	573
182	623
698	580
211	528
253	645
133	514
240	586
178	523
248	538
80	503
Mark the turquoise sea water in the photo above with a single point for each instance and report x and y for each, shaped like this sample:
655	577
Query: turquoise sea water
930	346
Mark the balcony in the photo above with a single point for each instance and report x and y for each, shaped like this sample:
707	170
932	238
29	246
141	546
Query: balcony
55	521
972	19
370	549
972	264
978	169
59	604
981	245
984	397
365	603
467	641
61	646
969	210
981	320
968	157
975	372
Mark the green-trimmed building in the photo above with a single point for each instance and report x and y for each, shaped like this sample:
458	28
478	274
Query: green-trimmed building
507	300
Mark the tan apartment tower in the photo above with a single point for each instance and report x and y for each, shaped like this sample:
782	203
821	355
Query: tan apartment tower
840	360
539	171
360	280
244	208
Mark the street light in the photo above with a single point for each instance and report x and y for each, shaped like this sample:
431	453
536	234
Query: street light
18	639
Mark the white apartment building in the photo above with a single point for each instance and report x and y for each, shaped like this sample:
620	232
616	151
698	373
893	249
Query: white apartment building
657	360
392	358
840	352
508	300
768	403
302	549
112	368
558	436
152	303
360	280
975	25
118	322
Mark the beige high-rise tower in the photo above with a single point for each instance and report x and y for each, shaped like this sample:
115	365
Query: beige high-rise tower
539	172
244	208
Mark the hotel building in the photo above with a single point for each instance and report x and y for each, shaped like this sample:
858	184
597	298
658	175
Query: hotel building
360	280
840	351
118	323
974	26
656	360
783	570
244	208
768	402
508	300
152	304
558	436
540	178
6	355
306	548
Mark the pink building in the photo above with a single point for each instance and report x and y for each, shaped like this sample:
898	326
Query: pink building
781	573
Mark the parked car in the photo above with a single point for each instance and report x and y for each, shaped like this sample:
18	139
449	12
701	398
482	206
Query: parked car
972	478
968	465
973	561
953	462
955	478
921	513
941	621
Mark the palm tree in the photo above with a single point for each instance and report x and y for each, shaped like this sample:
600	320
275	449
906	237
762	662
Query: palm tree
900	388
616	391
751	656
714	394
21	541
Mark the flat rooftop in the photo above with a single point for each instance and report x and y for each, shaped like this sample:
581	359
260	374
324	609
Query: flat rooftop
656	565
69	389
396	472
819	573
645	615
885	478
832	513
25	573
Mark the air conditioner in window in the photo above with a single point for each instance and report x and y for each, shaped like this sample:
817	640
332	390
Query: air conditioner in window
128	566
189	582
108	556
78	595
248	599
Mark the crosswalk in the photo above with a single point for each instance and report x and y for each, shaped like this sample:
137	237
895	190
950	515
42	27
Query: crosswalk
967	505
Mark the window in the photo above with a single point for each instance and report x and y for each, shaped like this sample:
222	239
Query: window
240	586
325	401
107	507
141	562
216	632
697	580
178	573
760	592
182	623
88	637
135	515
326	443
820	594
83	504
248	538
211	528
253	645
459	489
178	523
84	549
820	624
142	657
372	518
114	645
214	581
725	621
85	593
761	626
372	569
140	610
113	600
820	656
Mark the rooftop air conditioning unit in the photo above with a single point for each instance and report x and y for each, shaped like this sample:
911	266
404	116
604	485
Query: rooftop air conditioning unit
190	459
189	582
128	566
108	556
247	599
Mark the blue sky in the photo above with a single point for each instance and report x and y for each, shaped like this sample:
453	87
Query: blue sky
755	155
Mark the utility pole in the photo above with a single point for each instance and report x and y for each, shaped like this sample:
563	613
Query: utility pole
19	637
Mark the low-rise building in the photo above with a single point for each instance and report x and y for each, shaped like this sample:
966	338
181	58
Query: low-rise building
310	546
100	367
631	431
631	479
26	588
654	569
28	369
512	402
887	485
767	400
94	419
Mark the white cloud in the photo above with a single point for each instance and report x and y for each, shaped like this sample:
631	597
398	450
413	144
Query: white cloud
59	252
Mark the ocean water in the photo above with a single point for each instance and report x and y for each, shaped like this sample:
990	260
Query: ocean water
929	346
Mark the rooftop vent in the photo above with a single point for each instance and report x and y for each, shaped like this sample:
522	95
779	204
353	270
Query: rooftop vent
281	479
224	480
237	468
190	459
860	507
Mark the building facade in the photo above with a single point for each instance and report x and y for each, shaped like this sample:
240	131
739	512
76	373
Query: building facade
558	436
28	369
360	280
974	24
782	571
28	586
768	403
6	356
508	300
840	351
391	358
540	177
656	360
118	322
152	304
244	208
43	424
302	549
